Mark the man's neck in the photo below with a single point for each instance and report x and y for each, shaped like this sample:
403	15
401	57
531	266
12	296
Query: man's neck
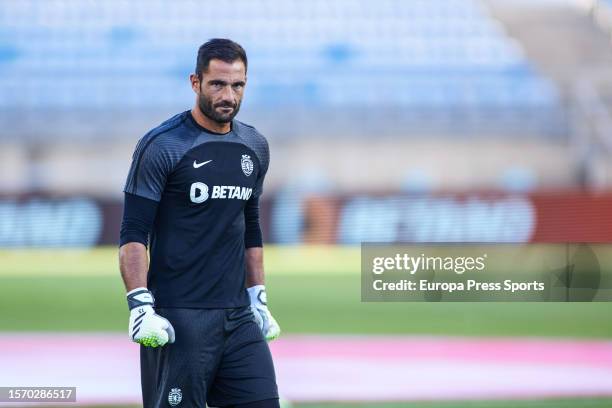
208	123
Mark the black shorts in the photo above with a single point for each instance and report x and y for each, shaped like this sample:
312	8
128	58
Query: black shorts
220	357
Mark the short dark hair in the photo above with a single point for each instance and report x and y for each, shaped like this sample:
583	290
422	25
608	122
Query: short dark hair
219	48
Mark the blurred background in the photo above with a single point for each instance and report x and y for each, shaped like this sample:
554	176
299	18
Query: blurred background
388	121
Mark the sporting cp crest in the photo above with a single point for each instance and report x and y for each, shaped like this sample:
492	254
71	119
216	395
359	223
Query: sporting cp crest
247	165
175	396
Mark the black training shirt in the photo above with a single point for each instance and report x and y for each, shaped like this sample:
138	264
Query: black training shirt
203	182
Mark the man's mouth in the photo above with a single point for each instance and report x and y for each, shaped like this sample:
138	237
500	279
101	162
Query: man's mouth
226	108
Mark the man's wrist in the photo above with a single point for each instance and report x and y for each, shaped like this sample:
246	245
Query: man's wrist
139	297
257	294
141	288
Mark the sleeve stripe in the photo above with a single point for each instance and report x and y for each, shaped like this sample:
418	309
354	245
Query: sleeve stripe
144	148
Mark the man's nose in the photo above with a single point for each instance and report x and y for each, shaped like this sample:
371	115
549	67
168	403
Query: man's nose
227	94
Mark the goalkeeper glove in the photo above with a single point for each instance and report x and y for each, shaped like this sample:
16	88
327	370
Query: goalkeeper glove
263	317
147	327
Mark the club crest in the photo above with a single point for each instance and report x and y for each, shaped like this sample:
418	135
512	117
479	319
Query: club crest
175	396
247	165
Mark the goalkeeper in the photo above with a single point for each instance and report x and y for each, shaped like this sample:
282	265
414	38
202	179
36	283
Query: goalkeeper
198	302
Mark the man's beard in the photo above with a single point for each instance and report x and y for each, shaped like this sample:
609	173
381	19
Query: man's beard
208	109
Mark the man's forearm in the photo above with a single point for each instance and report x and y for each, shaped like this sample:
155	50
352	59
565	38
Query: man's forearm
134	265
254	266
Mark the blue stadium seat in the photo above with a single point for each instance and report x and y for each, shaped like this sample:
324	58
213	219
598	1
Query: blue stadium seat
421	53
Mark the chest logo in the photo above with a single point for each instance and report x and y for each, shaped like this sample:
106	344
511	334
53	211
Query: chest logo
247	165
197	165
198	192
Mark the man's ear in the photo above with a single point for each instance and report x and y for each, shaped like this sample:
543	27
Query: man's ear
195	83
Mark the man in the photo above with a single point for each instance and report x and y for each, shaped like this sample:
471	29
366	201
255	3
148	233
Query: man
199	308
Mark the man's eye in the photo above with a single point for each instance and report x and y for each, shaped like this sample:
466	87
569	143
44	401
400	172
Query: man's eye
238	86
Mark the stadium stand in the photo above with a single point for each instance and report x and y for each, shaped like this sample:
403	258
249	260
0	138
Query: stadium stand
438	95
449	57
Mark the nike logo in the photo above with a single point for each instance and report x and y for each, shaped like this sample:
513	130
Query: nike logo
197	165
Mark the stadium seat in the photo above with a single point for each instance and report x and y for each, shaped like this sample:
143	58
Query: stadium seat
436	54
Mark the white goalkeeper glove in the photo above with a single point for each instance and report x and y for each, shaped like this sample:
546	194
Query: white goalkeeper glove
147	327
263	317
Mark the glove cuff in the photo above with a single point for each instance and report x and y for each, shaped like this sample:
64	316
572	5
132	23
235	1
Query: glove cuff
257	294
139	297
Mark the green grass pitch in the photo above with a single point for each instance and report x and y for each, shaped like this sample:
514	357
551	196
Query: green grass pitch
310	290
